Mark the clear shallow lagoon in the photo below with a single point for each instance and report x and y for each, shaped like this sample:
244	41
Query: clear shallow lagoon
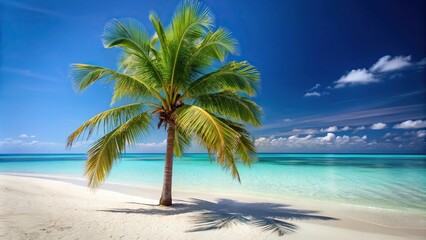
383	181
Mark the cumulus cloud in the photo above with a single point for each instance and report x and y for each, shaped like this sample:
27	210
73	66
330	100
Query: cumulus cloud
309	143
345	128
330	129
335	129
378	71
356	77
378	126
312	94
421	133
388	63
11	145
26	136
328	138
27	145
409	124
416	134
360	128
153	144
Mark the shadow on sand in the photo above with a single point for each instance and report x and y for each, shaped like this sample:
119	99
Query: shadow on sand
225	213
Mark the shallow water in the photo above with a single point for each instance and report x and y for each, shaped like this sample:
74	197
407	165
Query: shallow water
383	181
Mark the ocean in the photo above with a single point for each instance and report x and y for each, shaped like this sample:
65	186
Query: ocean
389	182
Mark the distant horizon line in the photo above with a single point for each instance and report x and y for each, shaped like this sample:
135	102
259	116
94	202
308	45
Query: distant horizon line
414	153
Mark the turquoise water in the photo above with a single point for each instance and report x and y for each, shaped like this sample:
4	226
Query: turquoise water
382	181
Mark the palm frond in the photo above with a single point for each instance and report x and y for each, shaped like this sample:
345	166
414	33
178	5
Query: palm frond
215	45
128	33
159	30
190	22
246	150
182	142
131	36
231	105
234	76
84	75
214	134
106	150
108	119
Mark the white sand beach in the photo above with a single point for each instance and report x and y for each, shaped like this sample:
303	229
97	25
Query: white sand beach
36	208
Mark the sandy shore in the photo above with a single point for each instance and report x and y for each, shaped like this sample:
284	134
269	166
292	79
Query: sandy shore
40	208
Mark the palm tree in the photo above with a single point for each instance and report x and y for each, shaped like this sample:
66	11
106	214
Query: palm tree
178	77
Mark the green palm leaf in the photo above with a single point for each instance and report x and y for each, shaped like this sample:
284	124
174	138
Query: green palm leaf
246	150
234	76
215	46
190	22
131	36
182	142
106	150
231	105
84	75
213	133
109	119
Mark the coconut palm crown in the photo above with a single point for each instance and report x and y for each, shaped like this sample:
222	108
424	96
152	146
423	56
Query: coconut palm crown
178	79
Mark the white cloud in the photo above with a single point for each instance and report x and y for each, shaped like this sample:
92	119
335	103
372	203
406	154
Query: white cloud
309	143
328	138
356	77
388	63
351	140
410	124
83	144
312	94
360	128
378	126
153	144
416	136
345	128
26	136
342	139
315	87
151	147
335	129
27	145
330	129
304	131
387	135
10	145
378	71
287	120
421	133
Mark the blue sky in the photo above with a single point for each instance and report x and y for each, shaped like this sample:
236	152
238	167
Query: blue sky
337	76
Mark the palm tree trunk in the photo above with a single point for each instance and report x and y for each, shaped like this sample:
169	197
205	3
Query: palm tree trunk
166	196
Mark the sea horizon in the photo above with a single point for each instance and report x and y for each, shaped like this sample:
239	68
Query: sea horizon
300	153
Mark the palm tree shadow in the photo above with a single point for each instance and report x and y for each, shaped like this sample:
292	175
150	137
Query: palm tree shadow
225	213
